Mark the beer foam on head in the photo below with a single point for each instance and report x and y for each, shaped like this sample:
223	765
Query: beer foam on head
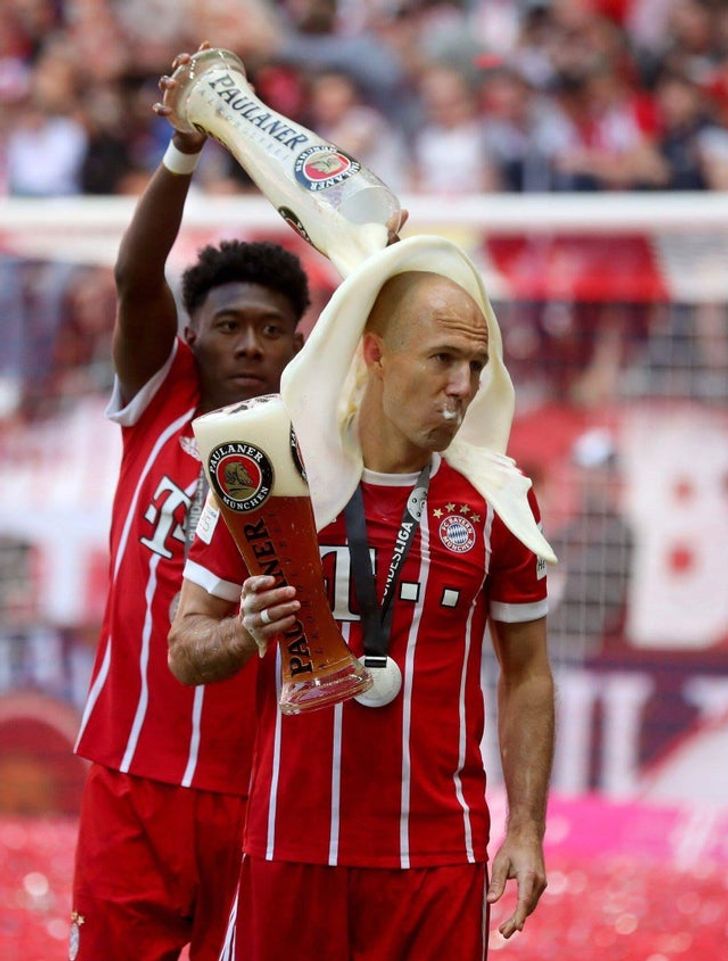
263	425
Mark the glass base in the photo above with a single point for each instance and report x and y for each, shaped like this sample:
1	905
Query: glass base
299	697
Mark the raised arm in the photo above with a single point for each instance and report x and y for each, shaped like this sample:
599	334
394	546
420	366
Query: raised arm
146	319
526	734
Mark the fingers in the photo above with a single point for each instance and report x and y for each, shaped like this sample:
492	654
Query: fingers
394	225
185	57
266	610
530	888
498	879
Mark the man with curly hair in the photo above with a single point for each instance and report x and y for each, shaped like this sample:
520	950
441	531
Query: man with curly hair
163	806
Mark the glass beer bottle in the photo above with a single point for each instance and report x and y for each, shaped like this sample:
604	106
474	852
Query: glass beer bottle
331	199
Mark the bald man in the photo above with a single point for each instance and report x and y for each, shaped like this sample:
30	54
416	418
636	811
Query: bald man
367	824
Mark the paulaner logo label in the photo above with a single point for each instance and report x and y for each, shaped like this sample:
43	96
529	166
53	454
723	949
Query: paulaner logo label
297	651
255	113
323	166
242	476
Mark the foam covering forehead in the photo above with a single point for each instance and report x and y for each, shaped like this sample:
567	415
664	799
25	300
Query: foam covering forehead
321	386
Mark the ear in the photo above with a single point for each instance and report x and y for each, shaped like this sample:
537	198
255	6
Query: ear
297	341
372	347
190	335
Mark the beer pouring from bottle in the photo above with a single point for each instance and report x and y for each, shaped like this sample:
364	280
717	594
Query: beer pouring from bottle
331	199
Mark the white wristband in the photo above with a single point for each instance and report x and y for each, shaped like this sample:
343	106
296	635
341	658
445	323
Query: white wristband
177	162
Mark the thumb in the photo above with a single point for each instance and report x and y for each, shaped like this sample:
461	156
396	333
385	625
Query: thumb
498	880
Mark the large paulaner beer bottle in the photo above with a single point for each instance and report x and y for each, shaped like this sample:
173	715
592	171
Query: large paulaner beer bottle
335	202
256	472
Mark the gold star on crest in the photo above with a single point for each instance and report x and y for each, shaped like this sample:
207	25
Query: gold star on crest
464	509
437	512
475	518
77	918
449	507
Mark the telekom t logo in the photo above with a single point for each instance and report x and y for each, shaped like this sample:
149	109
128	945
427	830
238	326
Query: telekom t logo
168	498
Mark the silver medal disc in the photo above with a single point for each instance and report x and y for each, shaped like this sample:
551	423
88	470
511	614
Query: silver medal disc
387	684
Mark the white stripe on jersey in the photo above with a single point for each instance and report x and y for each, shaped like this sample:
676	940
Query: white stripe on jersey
225	590
336	773
335	787
461	701
227	952
518	613
462	734
195	737
273	798
95	691
161	441
100	680
143	702
409	667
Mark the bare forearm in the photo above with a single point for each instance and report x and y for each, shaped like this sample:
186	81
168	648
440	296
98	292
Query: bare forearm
203	649
526	729
152	232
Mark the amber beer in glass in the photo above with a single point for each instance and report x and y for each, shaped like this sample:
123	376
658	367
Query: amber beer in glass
256	472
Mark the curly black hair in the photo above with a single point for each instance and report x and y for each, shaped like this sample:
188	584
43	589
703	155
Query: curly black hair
259	262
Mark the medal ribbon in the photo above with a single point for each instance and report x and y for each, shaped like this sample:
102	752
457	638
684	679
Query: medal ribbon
195	509
376	618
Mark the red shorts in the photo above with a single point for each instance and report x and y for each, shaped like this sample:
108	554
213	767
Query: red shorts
311	912
156	868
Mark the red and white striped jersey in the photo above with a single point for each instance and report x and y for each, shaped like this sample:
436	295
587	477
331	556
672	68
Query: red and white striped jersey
138	718
401	785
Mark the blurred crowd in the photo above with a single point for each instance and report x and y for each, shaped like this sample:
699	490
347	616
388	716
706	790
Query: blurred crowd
437	96
442	97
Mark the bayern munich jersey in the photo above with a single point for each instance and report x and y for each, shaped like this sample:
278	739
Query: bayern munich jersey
139	719
401	785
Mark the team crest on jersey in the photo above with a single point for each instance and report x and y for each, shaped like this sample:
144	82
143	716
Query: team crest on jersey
324	166
189	446
241	474
74	938
457	533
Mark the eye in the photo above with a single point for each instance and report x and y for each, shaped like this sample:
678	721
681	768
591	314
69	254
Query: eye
227	325
272	330
477	366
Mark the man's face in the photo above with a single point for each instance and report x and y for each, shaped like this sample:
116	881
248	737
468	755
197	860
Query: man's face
431	365
242	335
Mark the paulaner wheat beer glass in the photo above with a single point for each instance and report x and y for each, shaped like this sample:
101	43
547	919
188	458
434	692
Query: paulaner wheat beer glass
254	468
336	203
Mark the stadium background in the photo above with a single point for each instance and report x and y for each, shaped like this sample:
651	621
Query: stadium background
579	152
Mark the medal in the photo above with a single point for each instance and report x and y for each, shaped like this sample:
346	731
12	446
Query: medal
376	618
387	684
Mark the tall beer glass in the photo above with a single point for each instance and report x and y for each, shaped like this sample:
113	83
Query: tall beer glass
255	469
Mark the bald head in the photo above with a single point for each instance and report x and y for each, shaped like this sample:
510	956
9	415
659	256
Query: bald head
403	298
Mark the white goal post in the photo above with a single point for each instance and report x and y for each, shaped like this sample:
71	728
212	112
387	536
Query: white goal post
685	234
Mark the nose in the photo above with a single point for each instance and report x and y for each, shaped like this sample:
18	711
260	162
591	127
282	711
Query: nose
247	343
462	382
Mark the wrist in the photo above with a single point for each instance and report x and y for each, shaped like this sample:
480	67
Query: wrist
179	162
524	825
